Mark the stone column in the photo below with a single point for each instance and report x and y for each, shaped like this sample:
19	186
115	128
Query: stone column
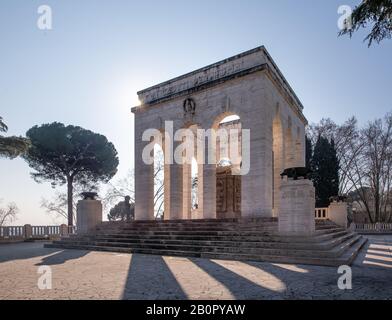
209	176
144	180
187	192
301	149
337	212
256	193
209	191
176	191
297	205
200	191
166	191
290	161
279	163
89	215
176	202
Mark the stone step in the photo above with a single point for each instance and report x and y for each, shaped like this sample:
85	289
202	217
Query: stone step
323	227
186	229
190	222
246	249
346	258
191	227
204	221
261	237
215	235
253	236
255	239
134	225
169	228
223	243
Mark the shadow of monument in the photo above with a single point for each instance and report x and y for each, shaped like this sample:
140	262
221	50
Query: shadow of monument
23	250
147	273
240	287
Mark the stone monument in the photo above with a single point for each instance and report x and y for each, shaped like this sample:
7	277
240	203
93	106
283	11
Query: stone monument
249	86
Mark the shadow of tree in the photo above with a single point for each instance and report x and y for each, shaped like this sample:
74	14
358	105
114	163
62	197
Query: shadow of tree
24	250
62	257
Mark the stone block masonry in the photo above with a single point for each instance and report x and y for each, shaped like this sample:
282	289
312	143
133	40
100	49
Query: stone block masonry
296	215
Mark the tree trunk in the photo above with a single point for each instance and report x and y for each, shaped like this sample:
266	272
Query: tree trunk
70	200
377	196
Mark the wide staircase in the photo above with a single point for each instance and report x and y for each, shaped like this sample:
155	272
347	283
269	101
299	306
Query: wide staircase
231	239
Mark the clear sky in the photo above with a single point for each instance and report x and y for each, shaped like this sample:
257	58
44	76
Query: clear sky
87	70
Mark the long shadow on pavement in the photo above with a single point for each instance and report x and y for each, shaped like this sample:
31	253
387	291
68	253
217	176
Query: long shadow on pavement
62	257
239	286
23	250
150	278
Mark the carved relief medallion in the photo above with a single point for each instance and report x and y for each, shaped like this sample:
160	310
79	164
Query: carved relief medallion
189	107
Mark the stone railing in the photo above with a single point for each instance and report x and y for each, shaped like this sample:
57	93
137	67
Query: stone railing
35	232
373	227
321	213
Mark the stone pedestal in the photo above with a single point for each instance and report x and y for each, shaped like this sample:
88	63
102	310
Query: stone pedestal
89	215
337	212
297	205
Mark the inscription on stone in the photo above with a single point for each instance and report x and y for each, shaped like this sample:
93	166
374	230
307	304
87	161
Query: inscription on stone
203	77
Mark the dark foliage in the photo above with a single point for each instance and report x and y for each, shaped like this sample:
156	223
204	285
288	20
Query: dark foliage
70	154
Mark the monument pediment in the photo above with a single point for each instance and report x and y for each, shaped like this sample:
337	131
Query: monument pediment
240	65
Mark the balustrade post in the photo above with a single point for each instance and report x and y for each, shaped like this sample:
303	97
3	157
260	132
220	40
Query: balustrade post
63	230
46	231
27	231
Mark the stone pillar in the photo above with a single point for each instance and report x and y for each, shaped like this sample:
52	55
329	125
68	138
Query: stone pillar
89	215
187	192
297	205
209	191
46	231
144	180
63	230
337	213
209	176
200	191
176	192
166	214
290	161
301	149
176	186
278	164
27	231
256	193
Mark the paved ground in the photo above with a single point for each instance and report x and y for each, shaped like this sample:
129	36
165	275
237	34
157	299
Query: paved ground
95	275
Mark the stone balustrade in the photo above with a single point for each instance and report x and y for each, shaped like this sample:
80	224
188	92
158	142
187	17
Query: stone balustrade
373	227
321	213
337	212
30	232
